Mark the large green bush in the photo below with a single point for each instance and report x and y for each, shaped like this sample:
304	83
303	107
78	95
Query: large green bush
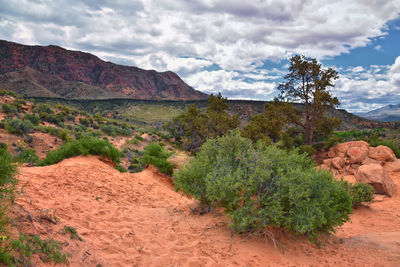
84	146
156	155
265	186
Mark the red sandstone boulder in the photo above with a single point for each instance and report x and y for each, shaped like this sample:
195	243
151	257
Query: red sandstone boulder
337	163
381	153
368	160
392	166
340	150
377	176
357	154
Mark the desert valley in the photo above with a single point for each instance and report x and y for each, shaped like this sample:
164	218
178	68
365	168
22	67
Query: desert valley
199	133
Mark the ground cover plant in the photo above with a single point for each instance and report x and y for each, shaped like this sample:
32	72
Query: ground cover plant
263	186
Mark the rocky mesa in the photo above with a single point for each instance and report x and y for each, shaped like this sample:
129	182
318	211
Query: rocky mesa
52	71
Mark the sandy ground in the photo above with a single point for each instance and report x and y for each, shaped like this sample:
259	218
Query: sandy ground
139	220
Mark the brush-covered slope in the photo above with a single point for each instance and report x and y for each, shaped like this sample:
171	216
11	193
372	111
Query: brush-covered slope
52	71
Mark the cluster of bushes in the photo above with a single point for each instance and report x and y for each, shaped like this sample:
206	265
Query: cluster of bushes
11	109
60	133
113	130
261	186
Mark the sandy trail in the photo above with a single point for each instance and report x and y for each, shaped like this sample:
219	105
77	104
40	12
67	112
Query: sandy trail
139	220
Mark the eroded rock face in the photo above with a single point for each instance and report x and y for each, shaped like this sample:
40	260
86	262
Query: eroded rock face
377	176
381	153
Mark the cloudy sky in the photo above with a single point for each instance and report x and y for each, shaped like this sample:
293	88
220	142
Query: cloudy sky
239	48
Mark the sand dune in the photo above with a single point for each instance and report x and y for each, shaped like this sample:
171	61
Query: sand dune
139	220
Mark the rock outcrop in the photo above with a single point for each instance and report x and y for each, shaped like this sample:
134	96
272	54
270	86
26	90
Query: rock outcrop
369	164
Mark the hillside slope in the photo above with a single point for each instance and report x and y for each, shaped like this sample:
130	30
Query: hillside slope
139	220
52	71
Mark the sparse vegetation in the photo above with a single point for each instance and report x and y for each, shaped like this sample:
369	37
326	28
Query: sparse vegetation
73	233
18	252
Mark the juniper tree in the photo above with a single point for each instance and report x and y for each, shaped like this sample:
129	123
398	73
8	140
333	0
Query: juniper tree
308	83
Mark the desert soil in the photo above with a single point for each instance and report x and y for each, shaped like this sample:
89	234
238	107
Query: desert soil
139	220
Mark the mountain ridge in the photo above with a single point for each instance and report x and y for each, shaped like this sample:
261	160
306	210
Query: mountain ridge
386	113
53	71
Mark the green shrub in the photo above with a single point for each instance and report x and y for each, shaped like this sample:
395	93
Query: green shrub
134	141
52	118
9	109
26	246
85	121
156	155
84	146
139	137
45	109
27	156
49	129
112	130
307	149
32	118
17	126
10	93
120	168
359	192
265	186
7	168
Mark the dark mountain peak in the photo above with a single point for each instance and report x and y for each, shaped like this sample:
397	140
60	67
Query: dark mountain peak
56	71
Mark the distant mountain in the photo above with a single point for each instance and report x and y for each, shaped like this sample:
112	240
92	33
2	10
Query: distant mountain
52	71
387	113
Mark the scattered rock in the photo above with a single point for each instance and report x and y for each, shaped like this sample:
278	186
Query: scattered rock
377	176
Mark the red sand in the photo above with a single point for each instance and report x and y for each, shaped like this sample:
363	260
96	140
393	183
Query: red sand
139	220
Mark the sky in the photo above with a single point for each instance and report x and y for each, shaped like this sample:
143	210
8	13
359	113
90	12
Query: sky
239	48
